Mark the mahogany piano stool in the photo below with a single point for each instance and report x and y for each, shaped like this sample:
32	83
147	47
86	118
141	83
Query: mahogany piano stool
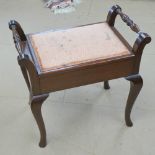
61	59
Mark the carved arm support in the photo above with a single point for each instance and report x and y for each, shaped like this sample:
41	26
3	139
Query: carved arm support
116	10
27	65
142	39
134	27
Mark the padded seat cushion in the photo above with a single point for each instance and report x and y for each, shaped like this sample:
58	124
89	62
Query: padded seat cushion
59	49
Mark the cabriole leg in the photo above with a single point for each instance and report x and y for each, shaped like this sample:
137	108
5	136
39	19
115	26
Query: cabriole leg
136	83
36	103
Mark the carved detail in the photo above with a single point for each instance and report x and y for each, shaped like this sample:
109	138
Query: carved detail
128	21
17	40
18	35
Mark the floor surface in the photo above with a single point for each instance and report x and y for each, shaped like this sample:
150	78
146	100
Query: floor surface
82	121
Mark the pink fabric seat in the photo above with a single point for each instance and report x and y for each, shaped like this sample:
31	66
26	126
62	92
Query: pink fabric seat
59	49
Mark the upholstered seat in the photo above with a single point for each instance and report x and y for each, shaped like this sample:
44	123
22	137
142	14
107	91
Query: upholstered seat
59	49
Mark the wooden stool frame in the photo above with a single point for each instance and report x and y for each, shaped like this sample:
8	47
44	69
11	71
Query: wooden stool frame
41	84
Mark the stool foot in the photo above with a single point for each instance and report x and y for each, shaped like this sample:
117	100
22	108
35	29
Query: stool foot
136	83
36	103
106	85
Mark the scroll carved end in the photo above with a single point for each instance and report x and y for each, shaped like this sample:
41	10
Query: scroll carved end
18	35
112	15
140	43
147	39
12	24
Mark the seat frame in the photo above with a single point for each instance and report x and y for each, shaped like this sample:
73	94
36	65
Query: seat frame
41	84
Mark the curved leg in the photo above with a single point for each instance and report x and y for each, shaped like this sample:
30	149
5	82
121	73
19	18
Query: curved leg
36	103
136	83
106	85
